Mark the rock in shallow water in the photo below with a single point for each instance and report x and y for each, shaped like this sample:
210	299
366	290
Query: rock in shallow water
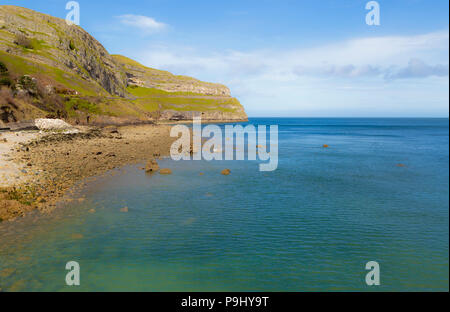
7	272
165	171
226	172
152	166
77	236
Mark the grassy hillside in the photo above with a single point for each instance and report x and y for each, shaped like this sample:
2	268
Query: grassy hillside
48	68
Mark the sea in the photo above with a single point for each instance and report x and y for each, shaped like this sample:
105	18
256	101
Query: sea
378	193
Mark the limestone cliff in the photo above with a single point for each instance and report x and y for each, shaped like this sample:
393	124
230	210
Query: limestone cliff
52	42
52	68
142	76
179	97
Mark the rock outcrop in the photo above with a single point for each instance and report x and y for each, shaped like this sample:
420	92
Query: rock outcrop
52	124
146	77
180	98
236	115
54	43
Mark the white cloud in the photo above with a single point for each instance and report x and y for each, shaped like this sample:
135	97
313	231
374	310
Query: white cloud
352	58
418	69
145	23
381	72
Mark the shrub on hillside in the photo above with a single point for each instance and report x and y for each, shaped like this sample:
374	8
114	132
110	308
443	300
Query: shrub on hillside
3	69
6	81
23	41
85	105
72	45
4	76
27	85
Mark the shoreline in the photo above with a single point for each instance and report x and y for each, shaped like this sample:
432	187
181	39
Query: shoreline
38	168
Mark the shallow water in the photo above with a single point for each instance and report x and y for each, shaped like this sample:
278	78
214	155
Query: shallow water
312	224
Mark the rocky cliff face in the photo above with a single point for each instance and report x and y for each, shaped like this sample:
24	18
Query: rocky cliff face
208	116
180	97
142	76
69	73
53	42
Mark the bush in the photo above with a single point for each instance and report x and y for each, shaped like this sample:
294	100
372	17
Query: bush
28	84
85	105
4	76
71	45
51	103
23	41
3	69
5	81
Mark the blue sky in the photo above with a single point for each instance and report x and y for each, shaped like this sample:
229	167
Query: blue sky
287	58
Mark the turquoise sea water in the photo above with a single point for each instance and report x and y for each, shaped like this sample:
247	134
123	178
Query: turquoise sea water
311	225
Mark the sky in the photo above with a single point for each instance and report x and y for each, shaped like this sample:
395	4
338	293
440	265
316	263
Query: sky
280	58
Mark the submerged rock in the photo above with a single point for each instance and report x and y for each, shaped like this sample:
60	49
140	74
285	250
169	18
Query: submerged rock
17	286
152	166
7	272
165	171
226	172
77	236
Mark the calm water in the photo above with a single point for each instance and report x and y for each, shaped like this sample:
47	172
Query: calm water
311	225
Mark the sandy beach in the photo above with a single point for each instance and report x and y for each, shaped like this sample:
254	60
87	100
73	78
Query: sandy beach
37	168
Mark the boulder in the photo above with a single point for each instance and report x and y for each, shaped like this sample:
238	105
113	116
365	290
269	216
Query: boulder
152	166
226	172
52	124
